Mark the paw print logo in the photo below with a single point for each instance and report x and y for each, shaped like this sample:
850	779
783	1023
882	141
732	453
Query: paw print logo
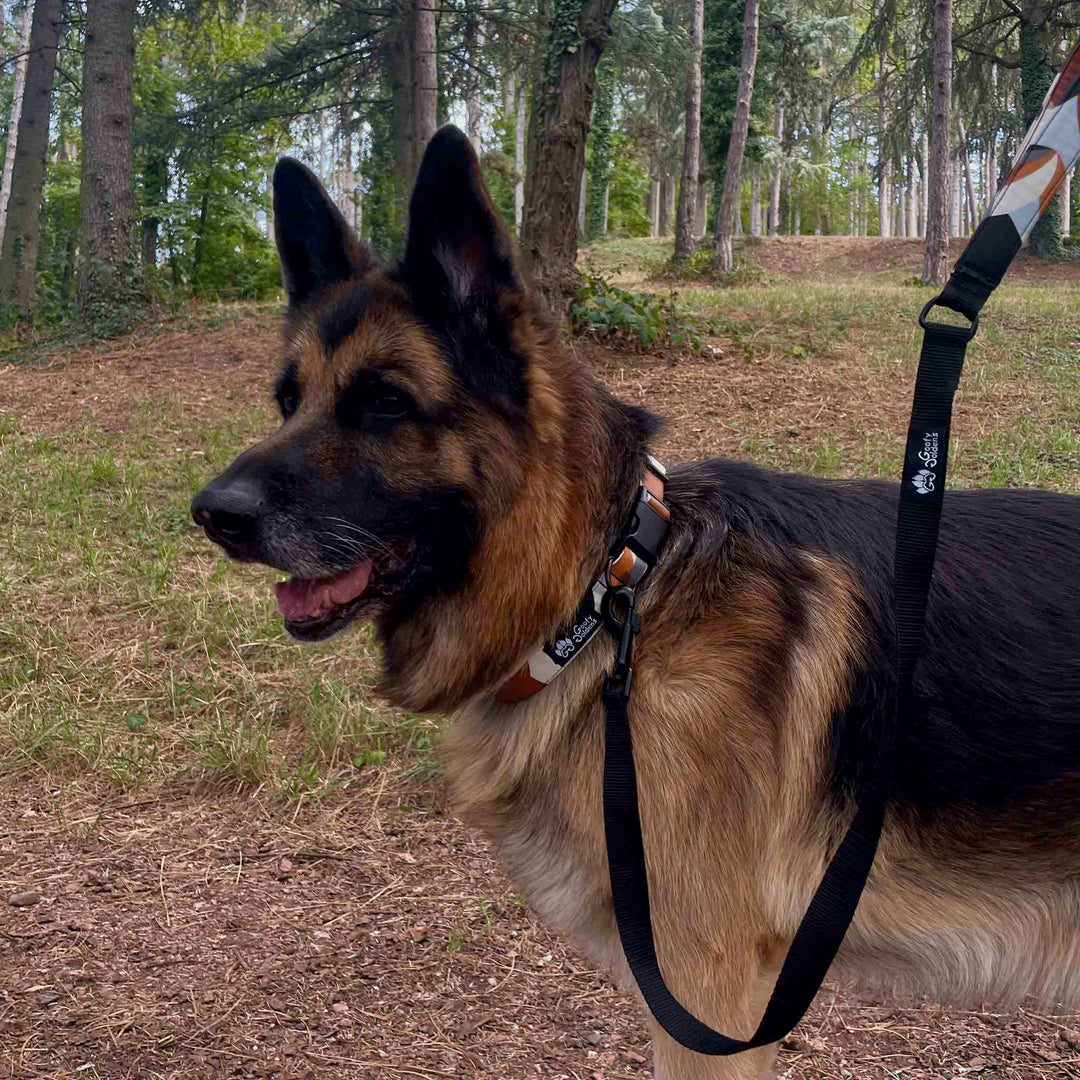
563	648
923	481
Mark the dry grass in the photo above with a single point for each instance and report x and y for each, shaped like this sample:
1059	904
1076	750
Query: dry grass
244	860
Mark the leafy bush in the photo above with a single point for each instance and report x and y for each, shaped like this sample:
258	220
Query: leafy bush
700	267
603	311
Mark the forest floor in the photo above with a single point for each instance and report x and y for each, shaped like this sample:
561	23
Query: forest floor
240	862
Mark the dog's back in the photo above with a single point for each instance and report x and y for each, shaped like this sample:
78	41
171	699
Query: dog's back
997	710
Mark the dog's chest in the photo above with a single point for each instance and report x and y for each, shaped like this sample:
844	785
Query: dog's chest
530	777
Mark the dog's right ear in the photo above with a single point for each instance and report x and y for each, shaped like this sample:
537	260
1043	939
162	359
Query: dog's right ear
316	246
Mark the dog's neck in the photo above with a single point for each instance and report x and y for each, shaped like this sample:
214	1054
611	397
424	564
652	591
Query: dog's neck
535	560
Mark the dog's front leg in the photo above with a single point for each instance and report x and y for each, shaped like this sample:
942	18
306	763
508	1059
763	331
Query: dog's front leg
722	996
674	1062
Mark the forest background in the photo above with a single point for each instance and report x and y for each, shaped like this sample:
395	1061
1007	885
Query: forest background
141	136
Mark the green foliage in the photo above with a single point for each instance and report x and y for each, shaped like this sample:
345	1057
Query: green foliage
605	312
206	183
57	240
627	191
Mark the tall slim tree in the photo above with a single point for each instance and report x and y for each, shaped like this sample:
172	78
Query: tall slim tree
405	158
474	102
577	34
778	172
109	277
740	125
425	77
936	257
19	252
602	156
16	108
691	166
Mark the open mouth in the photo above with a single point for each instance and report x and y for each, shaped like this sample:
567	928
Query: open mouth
316	608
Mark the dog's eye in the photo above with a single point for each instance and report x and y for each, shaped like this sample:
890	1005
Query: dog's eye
287	392
288	403
370	404
389	404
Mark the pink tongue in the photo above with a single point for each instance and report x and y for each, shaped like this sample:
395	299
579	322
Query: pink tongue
301	598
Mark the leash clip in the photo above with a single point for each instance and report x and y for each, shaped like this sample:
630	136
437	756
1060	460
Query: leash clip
624	627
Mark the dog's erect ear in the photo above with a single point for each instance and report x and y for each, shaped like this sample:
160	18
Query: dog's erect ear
458	248
316	246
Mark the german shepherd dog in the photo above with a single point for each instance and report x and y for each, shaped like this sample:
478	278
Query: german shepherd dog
447	470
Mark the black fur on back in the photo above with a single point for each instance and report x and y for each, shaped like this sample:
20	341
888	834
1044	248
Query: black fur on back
996	716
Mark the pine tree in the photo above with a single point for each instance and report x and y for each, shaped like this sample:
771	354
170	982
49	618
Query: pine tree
19	253
725	217
109	288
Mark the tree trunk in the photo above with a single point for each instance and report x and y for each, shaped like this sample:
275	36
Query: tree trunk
200	232
582	193
1066	204
688	190
936	257
924	181
425	77
701	203
774	190
577	34
737	145
661	208
755	203
474	110
1036	74
601	159
19	252
519	157
109	281
969	187
404	152
956	204
652	208
908	212
991	148
357	182
884	188
16	110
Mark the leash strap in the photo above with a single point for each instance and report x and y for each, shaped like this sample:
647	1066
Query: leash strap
1050	148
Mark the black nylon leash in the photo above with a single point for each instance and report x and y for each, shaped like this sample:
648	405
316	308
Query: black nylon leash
821	932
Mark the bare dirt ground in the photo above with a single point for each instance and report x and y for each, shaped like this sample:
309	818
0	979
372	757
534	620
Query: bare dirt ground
193	931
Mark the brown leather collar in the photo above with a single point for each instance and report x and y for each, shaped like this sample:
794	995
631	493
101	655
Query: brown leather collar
625	569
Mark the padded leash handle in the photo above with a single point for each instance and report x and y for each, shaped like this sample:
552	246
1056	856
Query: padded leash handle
1048	151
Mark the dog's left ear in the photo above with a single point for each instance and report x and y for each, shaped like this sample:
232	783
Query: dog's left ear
458	249
316	246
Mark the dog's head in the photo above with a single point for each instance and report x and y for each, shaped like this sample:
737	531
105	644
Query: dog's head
413	414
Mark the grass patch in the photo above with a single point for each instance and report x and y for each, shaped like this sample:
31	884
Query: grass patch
130	649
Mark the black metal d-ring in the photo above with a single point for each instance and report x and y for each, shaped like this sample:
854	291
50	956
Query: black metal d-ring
930	304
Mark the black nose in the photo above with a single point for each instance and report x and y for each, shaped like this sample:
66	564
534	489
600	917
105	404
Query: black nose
229	511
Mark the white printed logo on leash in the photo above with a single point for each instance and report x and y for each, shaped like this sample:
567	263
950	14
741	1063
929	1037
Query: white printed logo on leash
924	479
